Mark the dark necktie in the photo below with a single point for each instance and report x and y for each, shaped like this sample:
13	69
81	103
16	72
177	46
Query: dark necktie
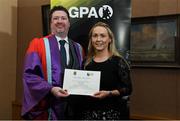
63	53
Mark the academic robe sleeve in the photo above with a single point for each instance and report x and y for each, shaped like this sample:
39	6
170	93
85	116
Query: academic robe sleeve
36	87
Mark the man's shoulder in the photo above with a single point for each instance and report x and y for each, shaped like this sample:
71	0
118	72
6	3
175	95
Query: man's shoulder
36	41
36	44
39	40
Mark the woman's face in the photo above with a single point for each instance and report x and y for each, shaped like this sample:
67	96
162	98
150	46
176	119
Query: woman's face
100	38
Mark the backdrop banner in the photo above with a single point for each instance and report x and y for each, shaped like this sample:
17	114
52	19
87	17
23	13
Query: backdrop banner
85	13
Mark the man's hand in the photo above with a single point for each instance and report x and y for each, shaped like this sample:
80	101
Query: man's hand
59	92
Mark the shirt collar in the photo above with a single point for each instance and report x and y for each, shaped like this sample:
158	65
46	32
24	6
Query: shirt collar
59	38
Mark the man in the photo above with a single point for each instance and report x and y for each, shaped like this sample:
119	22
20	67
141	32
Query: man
44	97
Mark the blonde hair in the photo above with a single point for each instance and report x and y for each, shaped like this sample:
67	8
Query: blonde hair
112	49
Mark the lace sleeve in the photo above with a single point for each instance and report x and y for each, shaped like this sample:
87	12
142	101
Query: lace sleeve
124	74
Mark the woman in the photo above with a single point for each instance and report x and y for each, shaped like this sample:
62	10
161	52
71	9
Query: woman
115	83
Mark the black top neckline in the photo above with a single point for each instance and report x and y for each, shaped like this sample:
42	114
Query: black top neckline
102	61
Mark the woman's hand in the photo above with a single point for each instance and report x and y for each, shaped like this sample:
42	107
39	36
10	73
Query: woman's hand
59	92
101	94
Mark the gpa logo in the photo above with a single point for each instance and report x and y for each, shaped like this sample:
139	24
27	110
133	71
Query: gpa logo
104	12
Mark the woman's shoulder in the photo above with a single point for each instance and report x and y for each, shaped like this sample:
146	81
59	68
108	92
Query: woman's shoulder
117	58
121	61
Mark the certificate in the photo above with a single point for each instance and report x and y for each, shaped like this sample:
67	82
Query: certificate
81	82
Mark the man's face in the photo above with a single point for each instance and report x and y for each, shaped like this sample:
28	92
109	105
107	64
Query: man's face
60	23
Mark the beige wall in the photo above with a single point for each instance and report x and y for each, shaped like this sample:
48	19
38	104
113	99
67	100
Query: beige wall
29	26
8	52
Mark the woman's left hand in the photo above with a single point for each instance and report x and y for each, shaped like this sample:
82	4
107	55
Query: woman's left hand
101	94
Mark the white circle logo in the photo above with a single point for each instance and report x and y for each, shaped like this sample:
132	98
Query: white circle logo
105	12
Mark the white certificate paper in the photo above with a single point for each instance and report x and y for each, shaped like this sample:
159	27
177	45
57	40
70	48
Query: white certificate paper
81	82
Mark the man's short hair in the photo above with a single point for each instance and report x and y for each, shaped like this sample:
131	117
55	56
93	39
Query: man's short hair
58	8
